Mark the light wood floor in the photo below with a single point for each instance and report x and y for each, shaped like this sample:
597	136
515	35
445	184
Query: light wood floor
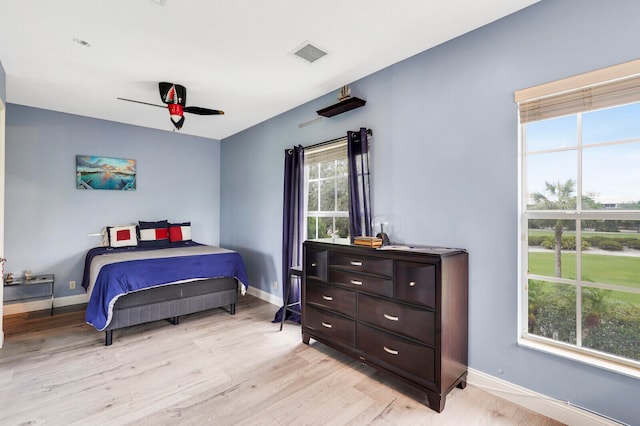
212	368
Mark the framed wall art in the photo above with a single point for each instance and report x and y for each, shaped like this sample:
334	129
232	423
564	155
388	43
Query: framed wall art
94	172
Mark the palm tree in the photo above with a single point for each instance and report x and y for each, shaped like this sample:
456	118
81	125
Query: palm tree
557	196
596	303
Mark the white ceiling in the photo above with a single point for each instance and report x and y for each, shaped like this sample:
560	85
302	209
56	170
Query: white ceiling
233	55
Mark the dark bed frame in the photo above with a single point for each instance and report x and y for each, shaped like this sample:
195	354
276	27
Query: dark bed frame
171	302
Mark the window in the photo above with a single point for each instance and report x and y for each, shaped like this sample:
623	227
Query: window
580	222
327	191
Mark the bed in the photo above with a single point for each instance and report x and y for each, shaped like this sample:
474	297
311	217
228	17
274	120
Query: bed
133	285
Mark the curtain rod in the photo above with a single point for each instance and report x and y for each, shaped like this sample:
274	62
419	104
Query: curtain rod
319	144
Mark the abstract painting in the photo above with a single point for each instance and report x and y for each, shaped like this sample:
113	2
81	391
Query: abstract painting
105	173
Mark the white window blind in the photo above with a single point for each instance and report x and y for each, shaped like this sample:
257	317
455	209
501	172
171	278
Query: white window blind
334	151
599	89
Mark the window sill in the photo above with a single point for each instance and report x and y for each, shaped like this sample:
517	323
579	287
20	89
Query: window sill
626	368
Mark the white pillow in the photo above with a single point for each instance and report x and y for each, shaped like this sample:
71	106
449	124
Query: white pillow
122	236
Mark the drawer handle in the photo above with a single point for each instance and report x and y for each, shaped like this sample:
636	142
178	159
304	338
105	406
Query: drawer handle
390	351
356	263
356	282
391	317
313	265
412	283
327	325
329	298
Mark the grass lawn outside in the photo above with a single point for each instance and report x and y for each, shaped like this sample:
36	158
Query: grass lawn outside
609	269
585	234
610	319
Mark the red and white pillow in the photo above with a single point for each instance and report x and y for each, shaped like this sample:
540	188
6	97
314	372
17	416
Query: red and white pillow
153	234
147	234
179	232
122	236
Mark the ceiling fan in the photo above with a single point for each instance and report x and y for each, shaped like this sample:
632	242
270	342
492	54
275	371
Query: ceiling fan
175	98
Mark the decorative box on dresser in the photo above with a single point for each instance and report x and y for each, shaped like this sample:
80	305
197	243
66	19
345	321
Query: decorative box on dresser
401	310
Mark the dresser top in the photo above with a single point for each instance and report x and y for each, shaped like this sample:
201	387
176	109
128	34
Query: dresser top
405	248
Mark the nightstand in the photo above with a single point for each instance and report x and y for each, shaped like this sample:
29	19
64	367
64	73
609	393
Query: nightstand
21	289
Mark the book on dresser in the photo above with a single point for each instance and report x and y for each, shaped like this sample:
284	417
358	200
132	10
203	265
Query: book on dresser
403	311
368	241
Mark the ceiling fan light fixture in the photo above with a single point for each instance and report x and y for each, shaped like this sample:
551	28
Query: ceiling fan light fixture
177	121
309	52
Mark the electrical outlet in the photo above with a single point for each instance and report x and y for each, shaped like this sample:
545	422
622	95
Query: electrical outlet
275	284
72	285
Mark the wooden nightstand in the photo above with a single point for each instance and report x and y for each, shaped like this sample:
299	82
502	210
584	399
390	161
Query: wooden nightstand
21	289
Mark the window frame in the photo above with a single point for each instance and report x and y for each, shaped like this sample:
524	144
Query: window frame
337	145
574	352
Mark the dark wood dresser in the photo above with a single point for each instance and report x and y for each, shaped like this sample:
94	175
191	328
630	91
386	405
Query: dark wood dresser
402	311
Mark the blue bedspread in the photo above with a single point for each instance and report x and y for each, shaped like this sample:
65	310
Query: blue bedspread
117	279
97	251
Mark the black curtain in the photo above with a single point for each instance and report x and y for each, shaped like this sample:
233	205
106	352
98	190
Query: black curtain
359	190
292	217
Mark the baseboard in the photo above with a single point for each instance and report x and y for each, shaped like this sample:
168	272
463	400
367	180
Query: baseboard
21	307
76	299
550	407
39	305
263	295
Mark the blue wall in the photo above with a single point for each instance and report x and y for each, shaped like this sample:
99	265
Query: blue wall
445	164
47	219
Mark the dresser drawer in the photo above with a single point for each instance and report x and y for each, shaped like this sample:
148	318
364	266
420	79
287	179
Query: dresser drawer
412	322
334	327
362	282
370	265
416	283
315	264
407	356
333	298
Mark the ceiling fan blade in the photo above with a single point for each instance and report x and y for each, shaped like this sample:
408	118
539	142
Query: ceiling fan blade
203	111
171	93
144	103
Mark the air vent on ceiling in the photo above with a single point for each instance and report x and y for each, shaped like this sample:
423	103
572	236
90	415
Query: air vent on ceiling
309	52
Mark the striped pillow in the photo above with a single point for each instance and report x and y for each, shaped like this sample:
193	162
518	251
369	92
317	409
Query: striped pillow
154	234
179	232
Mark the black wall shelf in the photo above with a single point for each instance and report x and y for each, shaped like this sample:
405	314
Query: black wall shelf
342	106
